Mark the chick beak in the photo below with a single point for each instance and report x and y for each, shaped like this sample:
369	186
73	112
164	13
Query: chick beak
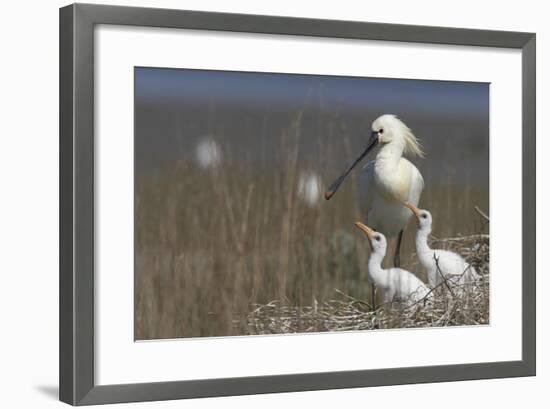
415	210
365	229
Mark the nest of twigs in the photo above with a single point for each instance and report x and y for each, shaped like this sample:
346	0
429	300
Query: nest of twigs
448	304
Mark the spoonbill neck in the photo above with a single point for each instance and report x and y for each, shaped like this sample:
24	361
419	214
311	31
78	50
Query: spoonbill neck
375	266
422	248
392	173
391	152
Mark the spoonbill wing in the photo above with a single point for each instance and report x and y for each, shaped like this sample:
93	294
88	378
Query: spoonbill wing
417	185
406	284
452	264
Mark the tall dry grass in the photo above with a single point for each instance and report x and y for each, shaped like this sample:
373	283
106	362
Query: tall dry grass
210	243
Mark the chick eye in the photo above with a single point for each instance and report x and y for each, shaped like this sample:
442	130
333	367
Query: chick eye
381	130
424	216
377	238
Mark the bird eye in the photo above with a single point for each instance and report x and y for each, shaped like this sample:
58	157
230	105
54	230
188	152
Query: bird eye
377	238
424	216
381	130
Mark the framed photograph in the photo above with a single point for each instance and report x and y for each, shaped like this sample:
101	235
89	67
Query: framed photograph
256	204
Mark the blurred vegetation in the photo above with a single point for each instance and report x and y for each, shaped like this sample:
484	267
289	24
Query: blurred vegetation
212	242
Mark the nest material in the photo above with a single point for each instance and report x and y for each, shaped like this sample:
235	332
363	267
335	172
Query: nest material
448	304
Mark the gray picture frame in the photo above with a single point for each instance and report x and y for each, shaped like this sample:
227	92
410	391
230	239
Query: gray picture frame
76	275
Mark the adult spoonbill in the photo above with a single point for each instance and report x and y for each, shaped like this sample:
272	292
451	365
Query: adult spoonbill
389	180
393	283
451	265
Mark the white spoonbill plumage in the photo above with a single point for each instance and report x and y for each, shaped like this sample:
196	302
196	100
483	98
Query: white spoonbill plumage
451	265
389	180
393	283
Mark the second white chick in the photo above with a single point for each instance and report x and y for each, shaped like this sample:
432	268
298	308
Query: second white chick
450	264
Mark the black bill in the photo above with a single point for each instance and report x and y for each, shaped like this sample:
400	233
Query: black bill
373	141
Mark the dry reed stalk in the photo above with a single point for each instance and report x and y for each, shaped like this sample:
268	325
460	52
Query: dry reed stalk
211	242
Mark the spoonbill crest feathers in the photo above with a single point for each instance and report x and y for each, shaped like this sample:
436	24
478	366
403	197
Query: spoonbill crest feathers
389	125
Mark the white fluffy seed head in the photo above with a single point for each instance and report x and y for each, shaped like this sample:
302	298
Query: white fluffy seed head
309	188
208	152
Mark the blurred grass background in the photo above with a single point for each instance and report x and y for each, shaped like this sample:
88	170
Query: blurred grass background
212	238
